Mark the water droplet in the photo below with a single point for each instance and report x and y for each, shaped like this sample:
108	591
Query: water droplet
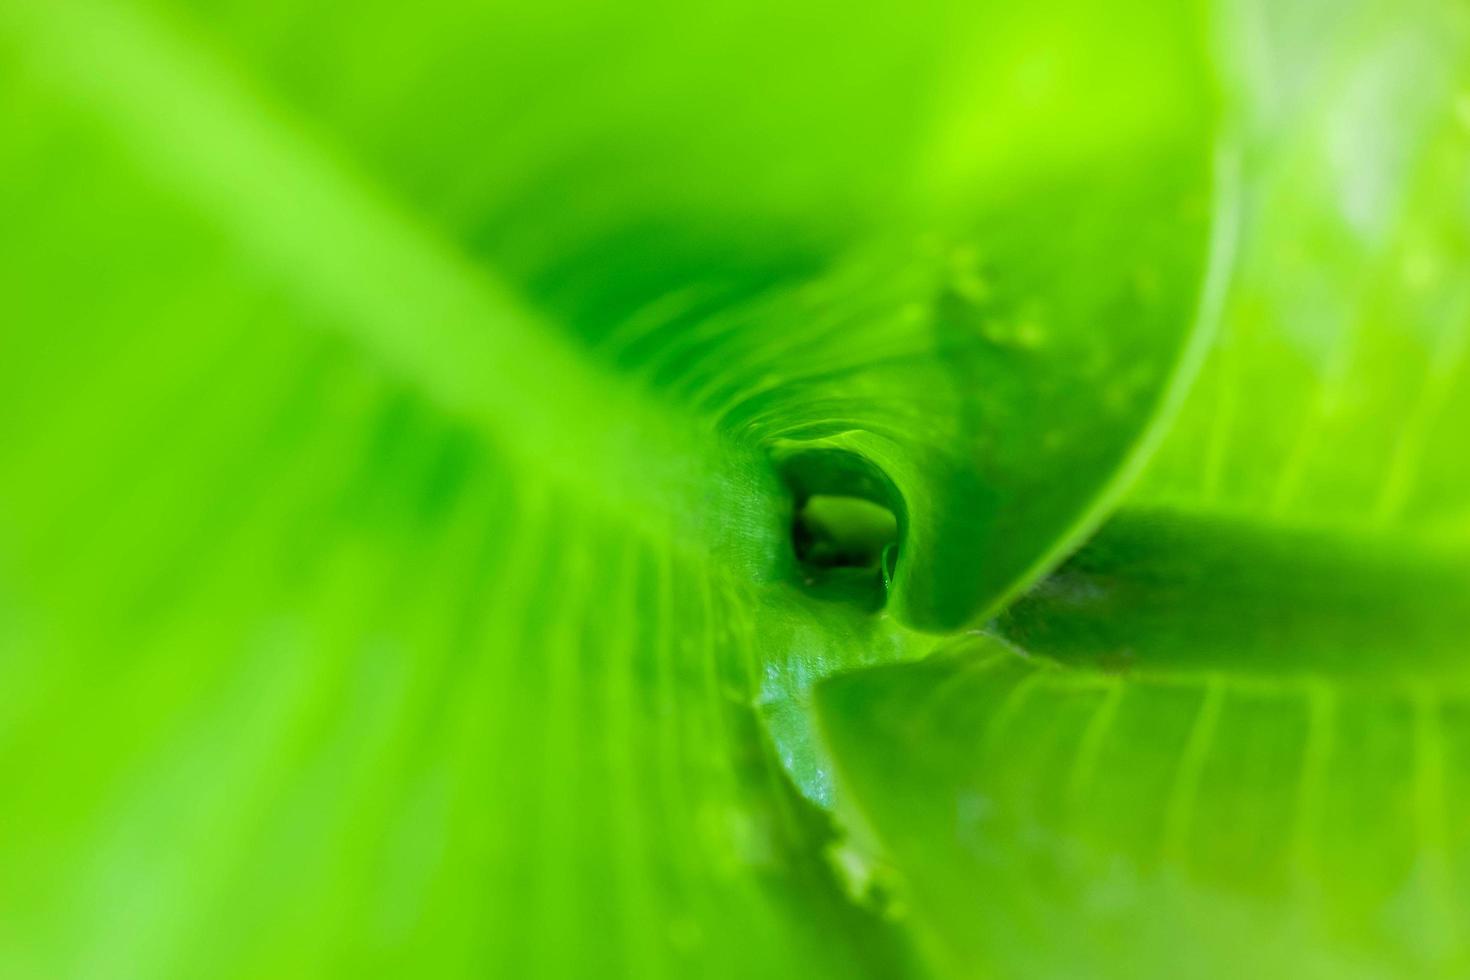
1024	332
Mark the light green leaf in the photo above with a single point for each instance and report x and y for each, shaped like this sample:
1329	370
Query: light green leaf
1229	736
1039	820
403	415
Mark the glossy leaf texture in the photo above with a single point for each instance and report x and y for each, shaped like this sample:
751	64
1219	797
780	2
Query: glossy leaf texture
1229	736
403	412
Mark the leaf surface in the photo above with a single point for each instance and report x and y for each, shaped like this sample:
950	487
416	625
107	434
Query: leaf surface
404	414
1228	736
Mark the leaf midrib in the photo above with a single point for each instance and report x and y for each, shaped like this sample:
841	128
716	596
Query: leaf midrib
364	266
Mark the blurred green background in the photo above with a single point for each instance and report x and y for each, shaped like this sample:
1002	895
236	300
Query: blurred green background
418	432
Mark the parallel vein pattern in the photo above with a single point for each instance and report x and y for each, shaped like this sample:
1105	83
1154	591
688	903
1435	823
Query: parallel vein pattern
1279	828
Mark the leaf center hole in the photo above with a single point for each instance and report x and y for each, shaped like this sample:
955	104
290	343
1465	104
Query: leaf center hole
832	531
847	525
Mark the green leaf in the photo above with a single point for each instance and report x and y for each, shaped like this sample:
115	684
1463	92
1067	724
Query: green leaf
1229	736
1038	820
403	416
